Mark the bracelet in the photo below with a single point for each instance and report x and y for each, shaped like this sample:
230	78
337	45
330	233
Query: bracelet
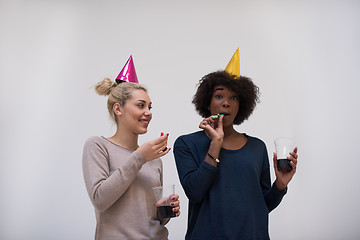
216	160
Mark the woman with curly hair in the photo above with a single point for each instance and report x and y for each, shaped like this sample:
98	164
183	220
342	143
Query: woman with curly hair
224	173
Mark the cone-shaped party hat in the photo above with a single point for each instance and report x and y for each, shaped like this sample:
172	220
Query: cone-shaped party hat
233	66
128	73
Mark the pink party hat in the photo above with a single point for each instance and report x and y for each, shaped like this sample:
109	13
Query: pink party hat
128	73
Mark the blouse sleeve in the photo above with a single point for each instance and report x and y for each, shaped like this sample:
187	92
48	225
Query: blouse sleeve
272	195
196	176
104	189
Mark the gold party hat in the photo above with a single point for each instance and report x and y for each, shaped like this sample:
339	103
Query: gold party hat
233	66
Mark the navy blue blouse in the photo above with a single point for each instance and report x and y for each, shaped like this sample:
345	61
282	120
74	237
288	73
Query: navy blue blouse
232	200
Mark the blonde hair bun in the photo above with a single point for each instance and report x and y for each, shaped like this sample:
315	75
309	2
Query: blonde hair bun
104	87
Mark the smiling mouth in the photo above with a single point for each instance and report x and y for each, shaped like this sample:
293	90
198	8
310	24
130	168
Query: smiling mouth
144	121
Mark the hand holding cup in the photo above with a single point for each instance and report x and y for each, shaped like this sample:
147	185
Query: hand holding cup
168	203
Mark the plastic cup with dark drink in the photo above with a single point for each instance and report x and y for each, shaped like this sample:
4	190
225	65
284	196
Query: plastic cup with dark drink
284	146
163	195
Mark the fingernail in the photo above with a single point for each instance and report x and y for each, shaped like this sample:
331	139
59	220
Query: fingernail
164	149
167	134
173	198
172	204
162	134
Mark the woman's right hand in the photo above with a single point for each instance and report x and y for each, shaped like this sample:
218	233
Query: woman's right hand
155	148
213	128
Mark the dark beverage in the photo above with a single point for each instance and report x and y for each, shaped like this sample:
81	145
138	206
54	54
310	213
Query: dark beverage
166	212
283	165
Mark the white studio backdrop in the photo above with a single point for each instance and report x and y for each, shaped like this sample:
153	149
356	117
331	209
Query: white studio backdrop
304	56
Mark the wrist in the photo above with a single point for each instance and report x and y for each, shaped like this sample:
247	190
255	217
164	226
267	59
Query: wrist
213	158
216	143
140	157
280	186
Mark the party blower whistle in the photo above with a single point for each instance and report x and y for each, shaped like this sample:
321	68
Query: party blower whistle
218	116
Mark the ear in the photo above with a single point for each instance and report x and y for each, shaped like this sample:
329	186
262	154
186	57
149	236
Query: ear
117	109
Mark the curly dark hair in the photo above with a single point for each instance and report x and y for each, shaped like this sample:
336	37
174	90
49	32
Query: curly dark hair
247	92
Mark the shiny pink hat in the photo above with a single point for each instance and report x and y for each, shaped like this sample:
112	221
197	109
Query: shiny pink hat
128	73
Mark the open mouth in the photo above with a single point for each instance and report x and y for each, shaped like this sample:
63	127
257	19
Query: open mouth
223	114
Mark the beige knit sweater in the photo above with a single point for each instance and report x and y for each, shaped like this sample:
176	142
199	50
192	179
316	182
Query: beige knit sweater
119	182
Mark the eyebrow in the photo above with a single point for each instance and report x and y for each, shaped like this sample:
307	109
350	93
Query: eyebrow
143	101
218	89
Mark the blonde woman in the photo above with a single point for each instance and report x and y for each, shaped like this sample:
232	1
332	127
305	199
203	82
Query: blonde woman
119	174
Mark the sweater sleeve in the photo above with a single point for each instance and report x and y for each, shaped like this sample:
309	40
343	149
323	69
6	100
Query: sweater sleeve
196	176
105	188
272	195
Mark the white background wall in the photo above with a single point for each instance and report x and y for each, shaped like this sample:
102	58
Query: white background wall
304	56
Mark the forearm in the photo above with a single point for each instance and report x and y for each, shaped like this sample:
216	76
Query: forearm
197	183
273	197
105	189
196	176
213	153
196	172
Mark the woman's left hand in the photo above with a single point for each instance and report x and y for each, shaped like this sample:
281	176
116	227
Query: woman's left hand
175	204
283	178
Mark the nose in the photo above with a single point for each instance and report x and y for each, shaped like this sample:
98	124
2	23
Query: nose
225	103
148	113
